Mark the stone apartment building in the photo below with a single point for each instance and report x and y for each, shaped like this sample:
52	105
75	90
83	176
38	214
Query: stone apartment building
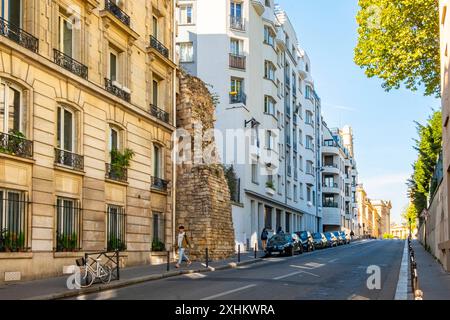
81	84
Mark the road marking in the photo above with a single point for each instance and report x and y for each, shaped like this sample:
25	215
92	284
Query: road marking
229	292
357	297
402	286
333	260
287	275
195	276
301	267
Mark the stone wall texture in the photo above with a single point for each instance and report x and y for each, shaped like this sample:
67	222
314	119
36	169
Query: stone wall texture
203	199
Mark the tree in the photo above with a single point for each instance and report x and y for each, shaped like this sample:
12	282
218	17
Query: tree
410	214
398	41
428	147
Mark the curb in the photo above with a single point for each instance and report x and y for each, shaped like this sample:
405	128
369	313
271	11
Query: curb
133	281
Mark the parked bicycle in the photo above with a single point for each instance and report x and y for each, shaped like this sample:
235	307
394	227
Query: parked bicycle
88	274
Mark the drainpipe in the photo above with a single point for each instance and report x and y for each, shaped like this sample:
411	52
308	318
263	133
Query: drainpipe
174	121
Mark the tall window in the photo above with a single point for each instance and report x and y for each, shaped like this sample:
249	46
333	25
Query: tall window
116	228
66	129
308	193
236	47
155	86
268	217
158	227
255	174
309	117
186	16
12	12
12	117
237	86
301	191
66	37
309	143
113	68
68	224
269	36
186	51
114	139
269	70
155	27
309	167
295	193
157	161
13	220
269	140
236	10
269	105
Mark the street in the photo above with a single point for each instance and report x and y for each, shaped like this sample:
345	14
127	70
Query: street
335	273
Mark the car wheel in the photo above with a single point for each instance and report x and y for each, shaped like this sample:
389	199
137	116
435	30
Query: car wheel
301	250
290	252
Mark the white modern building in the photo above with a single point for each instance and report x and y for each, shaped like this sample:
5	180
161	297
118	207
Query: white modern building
339	180
248	51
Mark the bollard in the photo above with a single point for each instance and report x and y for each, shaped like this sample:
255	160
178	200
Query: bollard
207	259
168	261
239	253
256	249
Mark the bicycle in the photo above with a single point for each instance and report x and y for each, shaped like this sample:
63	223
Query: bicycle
88	274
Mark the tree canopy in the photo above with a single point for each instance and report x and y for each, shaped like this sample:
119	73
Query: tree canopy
398	41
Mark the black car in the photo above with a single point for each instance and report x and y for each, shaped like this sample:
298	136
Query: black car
320	241
307	240
284	243
331	238
346	237
338	235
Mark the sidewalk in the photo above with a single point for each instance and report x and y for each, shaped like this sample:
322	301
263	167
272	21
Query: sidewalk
433	280
54	288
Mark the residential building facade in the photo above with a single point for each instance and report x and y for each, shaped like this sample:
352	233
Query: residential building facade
87	98
339	180
249	53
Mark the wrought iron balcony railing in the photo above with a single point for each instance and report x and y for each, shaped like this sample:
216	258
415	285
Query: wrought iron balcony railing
330	204
117	12
111	88
159	184
159	113
69	159
156	44
19	36
331	185
117	173
16	145
240	97
70	64
237	61
237	23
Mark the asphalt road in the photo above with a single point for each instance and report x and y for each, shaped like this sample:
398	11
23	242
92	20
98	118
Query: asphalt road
337	274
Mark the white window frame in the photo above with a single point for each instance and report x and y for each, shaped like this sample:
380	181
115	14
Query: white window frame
61	19
8	86
6	14
118	64
158	173
62	132
184	16
180	50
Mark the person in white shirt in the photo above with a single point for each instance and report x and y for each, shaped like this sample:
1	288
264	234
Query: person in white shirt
182	244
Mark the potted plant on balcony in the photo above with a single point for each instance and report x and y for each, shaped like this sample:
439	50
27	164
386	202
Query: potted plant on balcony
270	187
119	162
116	244
158	245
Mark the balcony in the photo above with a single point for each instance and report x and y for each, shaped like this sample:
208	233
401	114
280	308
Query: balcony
237	61
16	145
115	90
237	23
331	168
330	204
159	184
70	64
117	12
69	159
116	173
19	36
158	46
159	113
238	97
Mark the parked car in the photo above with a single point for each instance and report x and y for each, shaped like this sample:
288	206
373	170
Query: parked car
346	237
320	241
331	238
307	240
338	235
284	243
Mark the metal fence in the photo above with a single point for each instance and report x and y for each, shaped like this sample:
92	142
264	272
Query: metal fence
418	294
68	225
110	259
13	221
116	228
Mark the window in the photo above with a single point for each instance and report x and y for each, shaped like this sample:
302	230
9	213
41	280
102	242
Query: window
287	41
268	217
269	36
309	117
289	190
12	117
13	220
255	172
269	70
236	47
236	9
66	130
329	181
155	86
308	193
300	163
308	93
116	228
295	193
288	222
186	16
269	105
155	27
309	143
66	37
158	228
268	3
113	65
157	162
186	51
309	167
314	198
269	140
301	191
237	86
114	139
12	12
279	184
68	224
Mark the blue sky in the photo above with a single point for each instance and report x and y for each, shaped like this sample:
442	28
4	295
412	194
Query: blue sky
382	121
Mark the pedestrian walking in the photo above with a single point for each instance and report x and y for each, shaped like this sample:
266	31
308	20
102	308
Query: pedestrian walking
264	236
352	234
182	245
280	230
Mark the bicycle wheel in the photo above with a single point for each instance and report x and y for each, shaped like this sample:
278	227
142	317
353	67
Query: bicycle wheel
105	274
85	279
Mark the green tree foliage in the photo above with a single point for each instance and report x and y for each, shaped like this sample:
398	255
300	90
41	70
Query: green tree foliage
231	177
428	147
398	41
410	212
